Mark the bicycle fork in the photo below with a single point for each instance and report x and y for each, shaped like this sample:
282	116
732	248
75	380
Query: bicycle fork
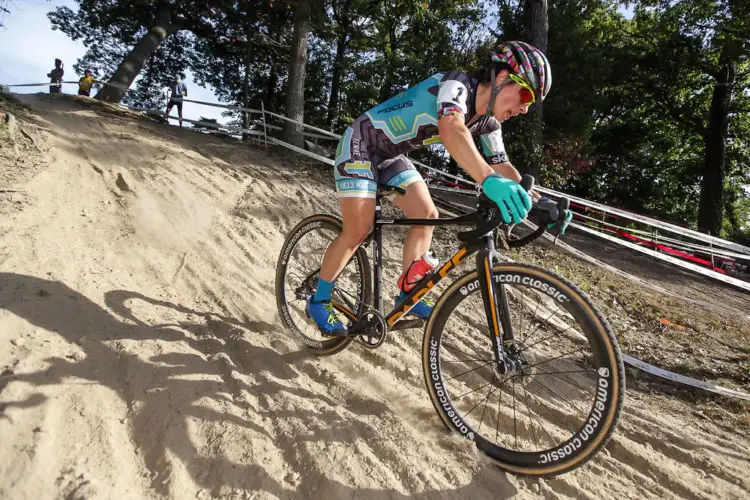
497	309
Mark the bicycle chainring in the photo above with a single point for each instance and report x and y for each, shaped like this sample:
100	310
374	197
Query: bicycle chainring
376	330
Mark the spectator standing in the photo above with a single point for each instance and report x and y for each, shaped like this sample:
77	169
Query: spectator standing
85	83
177	90
55	78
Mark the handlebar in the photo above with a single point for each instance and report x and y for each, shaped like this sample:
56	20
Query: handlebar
489	217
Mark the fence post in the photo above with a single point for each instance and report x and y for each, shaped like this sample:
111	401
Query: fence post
265	132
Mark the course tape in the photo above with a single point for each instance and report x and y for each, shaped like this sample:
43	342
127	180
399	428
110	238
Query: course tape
670	250
719	252
682	379
642	282
744	285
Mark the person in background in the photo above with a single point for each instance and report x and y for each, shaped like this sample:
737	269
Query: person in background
177	90
55	78
85	83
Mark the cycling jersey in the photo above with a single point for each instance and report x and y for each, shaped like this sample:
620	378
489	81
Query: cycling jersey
372	149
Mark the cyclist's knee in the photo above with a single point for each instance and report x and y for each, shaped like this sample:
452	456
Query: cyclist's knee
426	212
354	234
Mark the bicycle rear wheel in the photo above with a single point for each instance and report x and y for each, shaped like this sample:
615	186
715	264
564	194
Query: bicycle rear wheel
297	273
563	403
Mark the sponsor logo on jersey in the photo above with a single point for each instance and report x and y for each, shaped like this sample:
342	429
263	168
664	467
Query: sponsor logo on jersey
395	107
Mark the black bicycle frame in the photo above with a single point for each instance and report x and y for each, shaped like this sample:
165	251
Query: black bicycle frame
496	310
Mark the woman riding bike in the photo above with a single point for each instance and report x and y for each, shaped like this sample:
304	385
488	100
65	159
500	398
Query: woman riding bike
451	108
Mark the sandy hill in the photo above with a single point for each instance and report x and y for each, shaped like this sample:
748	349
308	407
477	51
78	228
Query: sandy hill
141	354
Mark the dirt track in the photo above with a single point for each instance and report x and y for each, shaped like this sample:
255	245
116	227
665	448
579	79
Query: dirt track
142	355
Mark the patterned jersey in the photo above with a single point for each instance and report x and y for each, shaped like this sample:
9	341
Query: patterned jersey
409	120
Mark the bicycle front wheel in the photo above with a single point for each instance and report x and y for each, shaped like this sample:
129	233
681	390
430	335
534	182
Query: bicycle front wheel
560	404
297	273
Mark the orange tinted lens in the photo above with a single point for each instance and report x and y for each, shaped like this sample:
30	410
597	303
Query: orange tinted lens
527	97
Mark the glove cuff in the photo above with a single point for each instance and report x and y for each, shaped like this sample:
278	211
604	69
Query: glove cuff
495	175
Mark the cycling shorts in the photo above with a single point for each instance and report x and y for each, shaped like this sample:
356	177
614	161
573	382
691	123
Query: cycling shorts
360	168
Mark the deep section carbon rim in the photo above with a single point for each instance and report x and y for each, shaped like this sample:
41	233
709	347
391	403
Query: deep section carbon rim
298	270
562	400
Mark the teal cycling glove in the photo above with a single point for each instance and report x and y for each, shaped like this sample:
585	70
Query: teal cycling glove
512	199
561	219
562	223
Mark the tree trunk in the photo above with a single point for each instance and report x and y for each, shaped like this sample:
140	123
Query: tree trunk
129	68
391	47
245	87
710	207
295	96
537	27
338	68
273	78
537	23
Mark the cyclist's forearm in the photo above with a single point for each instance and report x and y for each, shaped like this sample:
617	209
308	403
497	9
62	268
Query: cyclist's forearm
461	147
507	170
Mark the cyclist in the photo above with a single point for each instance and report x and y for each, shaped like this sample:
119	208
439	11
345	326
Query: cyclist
451	108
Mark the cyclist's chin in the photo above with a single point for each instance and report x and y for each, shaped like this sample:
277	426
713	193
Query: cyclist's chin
504	115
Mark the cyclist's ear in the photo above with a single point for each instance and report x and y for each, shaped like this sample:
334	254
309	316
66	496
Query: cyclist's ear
501	77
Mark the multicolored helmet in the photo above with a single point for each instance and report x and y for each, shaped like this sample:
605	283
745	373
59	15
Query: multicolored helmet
529	63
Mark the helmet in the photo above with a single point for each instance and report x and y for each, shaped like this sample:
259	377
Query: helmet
529	63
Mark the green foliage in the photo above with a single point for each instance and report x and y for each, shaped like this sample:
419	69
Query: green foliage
638	94
113	30
251	41
628	120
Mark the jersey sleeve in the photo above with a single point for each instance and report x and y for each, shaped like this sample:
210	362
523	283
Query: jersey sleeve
493	147
453	95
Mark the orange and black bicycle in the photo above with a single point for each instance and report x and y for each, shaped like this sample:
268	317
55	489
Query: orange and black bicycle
515	358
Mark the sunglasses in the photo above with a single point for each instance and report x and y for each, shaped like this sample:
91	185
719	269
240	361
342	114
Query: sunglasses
527	94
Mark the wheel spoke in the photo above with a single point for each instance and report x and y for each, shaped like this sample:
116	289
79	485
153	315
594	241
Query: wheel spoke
557	357
559	396
515	422
551	384
472	360
550	412
553	440
567	380
531	421
497	420
298	277
469	356
489	393
468	371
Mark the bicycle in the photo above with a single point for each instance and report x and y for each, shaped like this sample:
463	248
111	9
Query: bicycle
502	328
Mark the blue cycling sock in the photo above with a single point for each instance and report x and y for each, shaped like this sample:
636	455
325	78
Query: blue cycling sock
323	292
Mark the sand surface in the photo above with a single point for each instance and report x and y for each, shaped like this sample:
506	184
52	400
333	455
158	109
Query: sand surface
142	355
